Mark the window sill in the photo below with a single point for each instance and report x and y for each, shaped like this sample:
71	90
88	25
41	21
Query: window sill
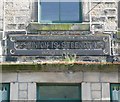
58	26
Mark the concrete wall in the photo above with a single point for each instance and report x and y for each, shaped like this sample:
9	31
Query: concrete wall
95	85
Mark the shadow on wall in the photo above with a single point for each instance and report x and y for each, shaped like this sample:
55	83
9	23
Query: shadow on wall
35	12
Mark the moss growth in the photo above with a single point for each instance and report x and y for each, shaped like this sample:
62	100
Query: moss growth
36	26
60	67
118	32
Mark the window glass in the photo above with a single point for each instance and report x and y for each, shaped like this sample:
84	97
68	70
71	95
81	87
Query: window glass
69	11
50	11
115	92
59	92
4	92
60	11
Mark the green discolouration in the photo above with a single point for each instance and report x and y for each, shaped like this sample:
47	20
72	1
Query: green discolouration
60	67
118	34
62	26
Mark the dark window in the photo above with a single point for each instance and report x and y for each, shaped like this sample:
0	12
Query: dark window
115	92
60	12
58	92
4	92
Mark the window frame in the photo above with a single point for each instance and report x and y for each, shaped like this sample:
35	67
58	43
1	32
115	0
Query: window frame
58	84
58	22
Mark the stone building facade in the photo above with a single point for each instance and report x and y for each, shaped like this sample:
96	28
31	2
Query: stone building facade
22	17
97	79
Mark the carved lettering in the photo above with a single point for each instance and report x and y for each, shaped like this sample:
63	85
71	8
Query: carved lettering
60	45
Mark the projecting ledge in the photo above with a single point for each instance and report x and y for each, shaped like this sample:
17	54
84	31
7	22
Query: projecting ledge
60	67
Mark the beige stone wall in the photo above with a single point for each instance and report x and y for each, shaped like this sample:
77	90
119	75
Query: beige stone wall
17	14
95	91
1	15
119	14
95	85
86	9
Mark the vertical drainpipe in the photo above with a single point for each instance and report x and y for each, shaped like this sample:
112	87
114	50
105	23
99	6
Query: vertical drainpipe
90	16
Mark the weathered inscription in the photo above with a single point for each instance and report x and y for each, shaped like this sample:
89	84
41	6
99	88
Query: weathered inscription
60	45
57	45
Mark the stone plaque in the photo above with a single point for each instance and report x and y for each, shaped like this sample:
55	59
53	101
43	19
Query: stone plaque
56	45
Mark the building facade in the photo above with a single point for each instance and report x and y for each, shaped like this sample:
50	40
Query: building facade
34	18
70	82
35	33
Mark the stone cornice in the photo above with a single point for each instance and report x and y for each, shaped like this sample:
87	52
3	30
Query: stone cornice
60	67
